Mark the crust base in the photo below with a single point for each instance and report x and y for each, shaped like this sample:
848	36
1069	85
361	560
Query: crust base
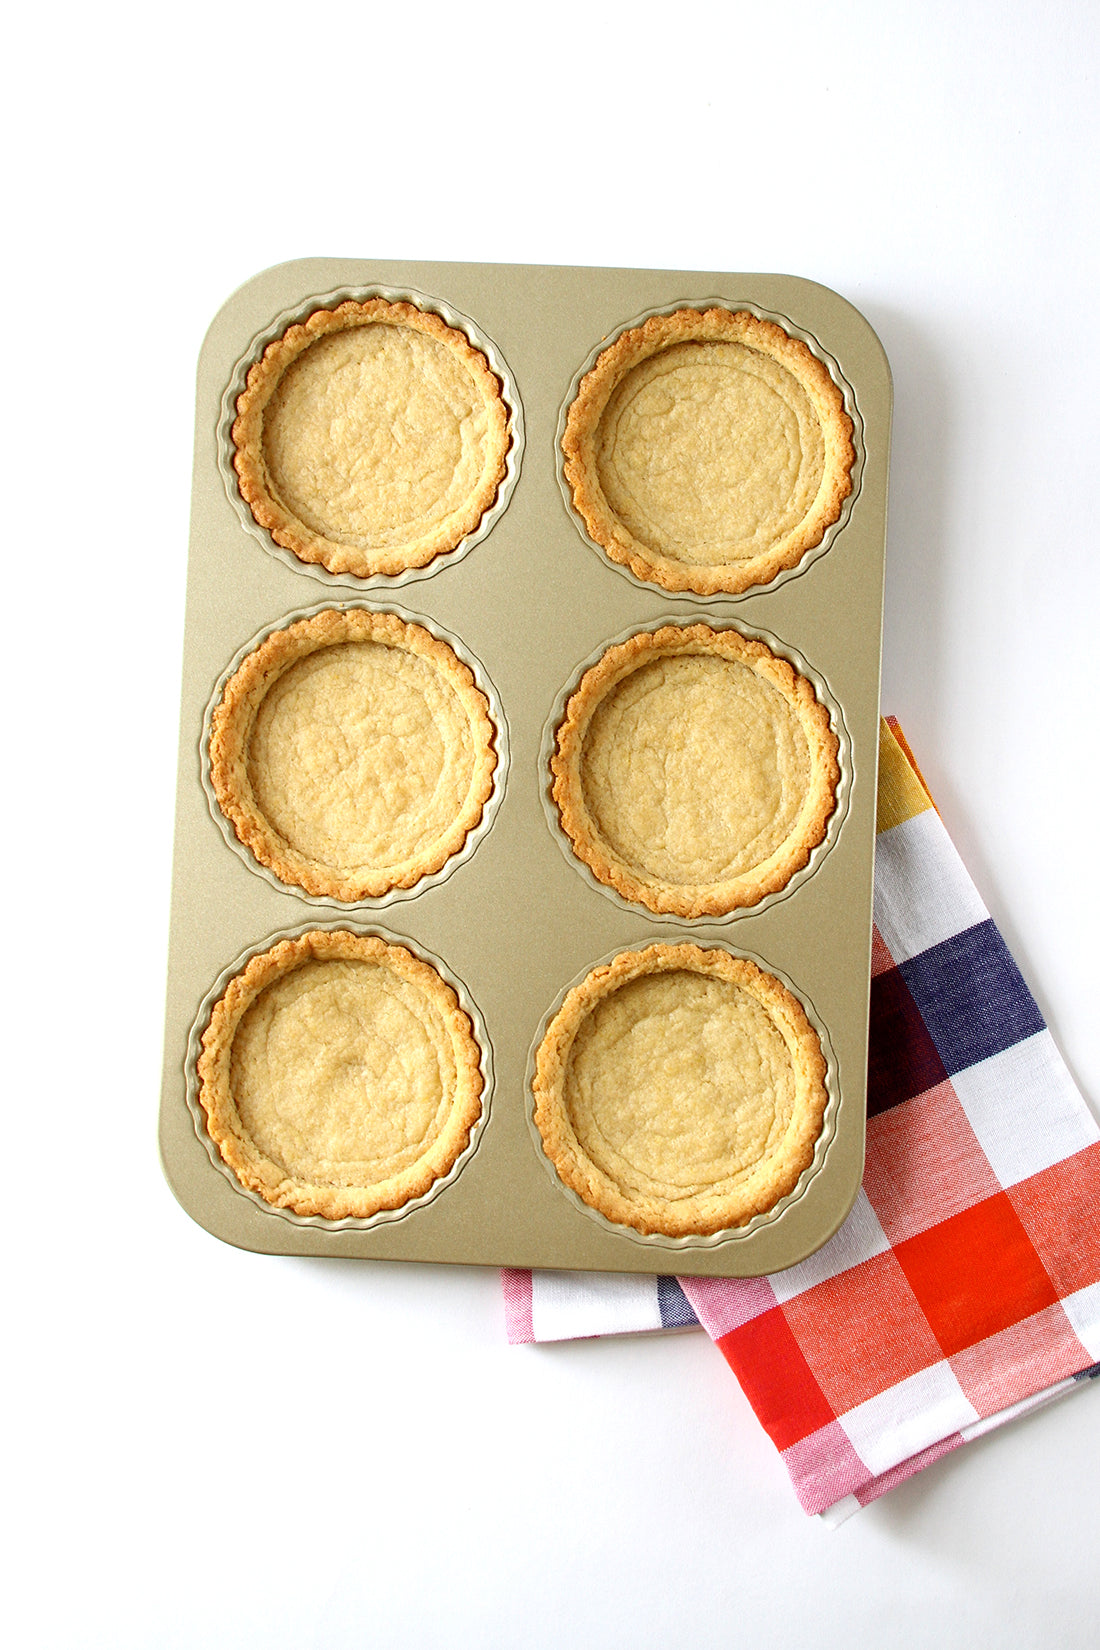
370	438
339	1076
708	451
694	771
352	753
680	1091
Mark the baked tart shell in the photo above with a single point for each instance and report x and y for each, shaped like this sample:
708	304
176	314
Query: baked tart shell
424	1154
234	782
605	1138
591	840
383	548
805	378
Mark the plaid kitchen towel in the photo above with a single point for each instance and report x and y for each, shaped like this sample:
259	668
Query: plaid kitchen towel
964	1287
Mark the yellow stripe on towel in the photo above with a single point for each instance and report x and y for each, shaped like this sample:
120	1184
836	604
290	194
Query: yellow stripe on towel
901	795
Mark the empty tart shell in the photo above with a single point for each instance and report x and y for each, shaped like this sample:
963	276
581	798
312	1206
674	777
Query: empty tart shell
680	1090
708	451
353	753
370	438
694	770
339	1076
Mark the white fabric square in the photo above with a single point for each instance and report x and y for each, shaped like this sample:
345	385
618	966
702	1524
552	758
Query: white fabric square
858	1239
923	892
910	1417
1024	1109
840	1512
1082	1308
570	1305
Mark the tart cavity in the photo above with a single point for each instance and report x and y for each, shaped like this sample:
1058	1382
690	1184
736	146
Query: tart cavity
680	1090
708	451
370	438
352	753
339	1076
694	771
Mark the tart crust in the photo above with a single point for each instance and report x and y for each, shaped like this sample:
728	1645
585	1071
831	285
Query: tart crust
339	1076
708	451
680	1090
370	438
352	753
694	771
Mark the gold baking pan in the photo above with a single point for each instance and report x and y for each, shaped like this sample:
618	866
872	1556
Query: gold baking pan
528	601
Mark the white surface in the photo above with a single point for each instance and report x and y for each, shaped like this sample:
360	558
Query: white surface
211	1448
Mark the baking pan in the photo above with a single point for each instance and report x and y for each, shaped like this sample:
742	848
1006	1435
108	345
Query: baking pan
514	920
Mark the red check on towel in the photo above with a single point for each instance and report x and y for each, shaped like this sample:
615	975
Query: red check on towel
964	1287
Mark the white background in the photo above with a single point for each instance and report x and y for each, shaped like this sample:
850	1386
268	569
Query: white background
209	1448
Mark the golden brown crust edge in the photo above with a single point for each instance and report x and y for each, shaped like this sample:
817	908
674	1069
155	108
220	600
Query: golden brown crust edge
235	715
257	1172
247	436
568	791
638	344
763	1190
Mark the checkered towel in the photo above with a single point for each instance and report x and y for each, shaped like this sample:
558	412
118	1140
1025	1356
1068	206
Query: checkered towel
964	1287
